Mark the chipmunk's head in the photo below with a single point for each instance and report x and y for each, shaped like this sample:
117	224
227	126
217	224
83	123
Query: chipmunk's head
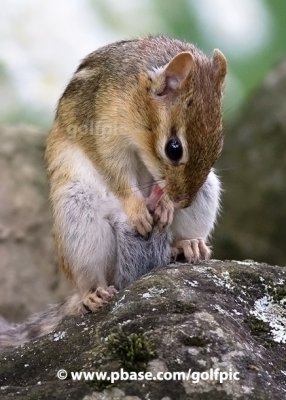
184	115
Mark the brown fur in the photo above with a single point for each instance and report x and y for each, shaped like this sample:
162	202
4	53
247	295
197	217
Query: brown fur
111	106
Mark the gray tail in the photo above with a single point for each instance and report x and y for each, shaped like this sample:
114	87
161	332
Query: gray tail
13	335
136	256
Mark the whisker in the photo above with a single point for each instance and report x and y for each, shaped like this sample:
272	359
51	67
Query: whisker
226	169
137	188
229	109
146	185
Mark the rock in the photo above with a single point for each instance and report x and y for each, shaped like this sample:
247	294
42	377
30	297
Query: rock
226	316
28	274
253	170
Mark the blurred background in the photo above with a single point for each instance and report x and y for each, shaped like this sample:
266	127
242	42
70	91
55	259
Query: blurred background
41	44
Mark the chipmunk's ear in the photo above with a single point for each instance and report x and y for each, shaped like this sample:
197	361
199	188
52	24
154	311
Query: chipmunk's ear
173	75
220	66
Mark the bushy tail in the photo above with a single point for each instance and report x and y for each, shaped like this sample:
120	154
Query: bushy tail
13	335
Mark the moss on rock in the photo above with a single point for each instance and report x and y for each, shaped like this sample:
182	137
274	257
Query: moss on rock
217	315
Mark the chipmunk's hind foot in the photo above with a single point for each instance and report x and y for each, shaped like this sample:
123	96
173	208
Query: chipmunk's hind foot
97	298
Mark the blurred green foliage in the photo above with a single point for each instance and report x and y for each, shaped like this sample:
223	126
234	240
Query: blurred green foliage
181	21
175	18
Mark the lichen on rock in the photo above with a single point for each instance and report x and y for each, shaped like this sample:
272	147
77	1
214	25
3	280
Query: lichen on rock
226	316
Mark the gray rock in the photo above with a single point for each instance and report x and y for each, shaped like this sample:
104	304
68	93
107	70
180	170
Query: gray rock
29	279
220	315
253	170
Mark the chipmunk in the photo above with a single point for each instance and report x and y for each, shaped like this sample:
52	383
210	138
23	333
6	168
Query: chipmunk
130	162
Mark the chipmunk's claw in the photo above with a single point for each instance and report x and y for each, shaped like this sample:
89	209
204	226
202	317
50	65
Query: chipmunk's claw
194	250
97	298
164	213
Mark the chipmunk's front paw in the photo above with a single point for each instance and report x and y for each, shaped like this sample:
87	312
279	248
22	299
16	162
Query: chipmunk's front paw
164	212
97	298
139	216
194	250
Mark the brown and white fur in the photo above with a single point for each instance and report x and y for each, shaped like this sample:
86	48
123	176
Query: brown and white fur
107	157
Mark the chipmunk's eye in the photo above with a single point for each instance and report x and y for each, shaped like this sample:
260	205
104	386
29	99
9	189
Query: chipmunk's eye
174	149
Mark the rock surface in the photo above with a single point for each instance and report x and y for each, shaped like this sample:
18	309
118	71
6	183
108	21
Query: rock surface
28	275
227	315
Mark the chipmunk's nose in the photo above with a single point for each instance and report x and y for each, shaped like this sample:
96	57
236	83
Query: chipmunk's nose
179	201
182	200
177	198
